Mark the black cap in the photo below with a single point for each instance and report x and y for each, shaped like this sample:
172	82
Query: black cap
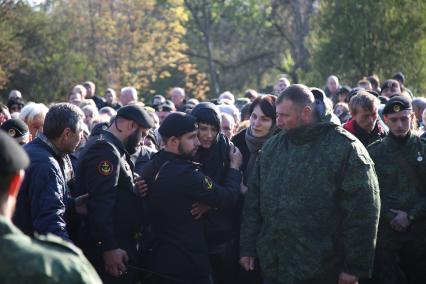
177	124
13	158
15	127
397	104
137	114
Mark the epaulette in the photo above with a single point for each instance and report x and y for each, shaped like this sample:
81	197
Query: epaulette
55	241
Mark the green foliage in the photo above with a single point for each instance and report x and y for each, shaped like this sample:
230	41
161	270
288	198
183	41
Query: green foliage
359	38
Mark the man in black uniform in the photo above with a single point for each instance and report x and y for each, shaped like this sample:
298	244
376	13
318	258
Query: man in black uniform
176	183
105	172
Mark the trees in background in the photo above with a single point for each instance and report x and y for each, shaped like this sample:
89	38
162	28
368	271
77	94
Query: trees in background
206	46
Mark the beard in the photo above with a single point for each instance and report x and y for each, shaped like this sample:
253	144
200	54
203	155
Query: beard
189	155
132	143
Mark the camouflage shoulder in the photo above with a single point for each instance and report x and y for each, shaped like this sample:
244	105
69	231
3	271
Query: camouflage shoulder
343	132
272	142
55	242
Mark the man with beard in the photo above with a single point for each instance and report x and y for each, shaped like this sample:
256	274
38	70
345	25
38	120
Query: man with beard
105	172
180	253
221	225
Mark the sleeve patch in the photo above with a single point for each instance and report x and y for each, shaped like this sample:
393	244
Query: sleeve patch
208	183
105	168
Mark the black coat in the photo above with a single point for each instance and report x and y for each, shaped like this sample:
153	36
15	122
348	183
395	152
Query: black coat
175	184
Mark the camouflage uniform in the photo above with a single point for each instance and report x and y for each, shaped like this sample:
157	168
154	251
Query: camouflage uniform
43	260
400	256
312	207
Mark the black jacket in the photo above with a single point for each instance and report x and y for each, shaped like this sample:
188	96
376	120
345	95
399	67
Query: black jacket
175	184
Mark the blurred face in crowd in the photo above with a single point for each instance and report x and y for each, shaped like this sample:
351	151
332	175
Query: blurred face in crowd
15	108
332	84
177	97
260	124
281	85
89	118
75	99
207	134
366	119
390	92
399	123
162	115
109	97
36	125
188	144
228	126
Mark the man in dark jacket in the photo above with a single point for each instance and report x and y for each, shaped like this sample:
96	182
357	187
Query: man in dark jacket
105	172
44	199
176	183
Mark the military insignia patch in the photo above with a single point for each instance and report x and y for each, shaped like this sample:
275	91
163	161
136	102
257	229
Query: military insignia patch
105	168
208	183
396	108
12	132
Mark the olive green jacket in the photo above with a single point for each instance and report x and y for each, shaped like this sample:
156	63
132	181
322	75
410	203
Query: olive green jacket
397	189
47	259
312	207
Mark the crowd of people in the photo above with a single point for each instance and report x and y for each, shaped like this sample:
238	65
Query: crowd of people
304	185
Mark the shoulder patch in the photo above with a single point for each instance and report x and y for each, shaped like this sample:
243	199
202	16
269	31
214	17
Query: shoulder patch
207	183
105	168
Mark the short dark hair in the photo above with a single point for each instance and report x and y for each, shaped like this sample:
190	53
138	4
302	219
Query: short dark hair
266	104
299	94
59	117
374	80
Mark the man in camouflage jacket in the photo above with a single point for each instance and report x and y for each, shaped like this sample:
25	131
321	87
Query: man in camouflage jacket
312	208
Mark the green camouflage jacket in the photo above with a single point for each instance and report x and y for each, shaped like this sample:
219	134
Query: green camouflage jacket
312	207
47	259
397	189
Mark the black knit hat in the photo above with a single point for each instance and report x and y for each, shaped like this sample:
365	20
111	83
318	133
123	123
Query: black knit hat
177	124
137	114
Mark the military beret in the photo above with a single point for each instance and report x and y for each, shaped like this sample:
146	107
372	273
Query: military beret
397	104
15	127
137	114
177	124
12	155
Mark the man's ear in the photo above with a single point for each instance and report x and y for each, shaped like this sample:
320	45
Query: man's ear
15	184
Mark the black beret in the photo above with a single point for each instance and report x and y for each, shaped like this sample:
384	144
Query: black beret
137	114
177	124
13	158
15	127
397	104
344	89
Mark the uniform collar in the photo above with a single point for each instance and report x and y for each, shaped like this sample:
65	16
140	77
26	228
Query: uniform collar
394	145
114	140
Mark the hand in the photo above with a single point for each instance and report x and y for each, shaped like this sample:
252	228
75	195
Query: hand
400	222
141	187
198	210
81	204
115	262
247	262
235	157
345	278
243	189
